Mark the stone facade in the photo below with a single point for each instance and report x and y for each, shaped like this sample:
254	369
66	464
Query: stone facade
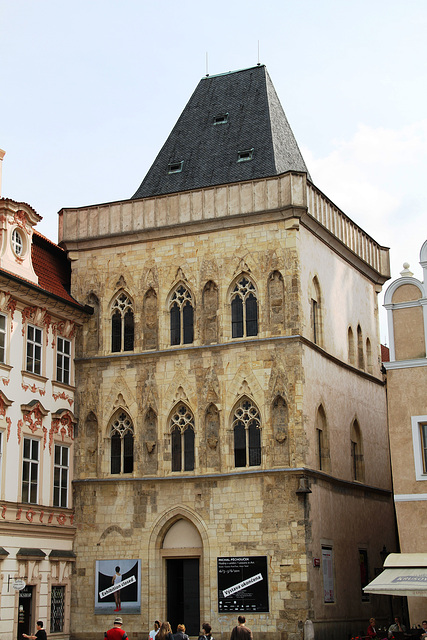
322	482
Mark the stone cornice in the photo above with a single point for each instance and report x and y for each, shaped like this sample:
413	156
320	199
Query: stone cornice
233	344
326	478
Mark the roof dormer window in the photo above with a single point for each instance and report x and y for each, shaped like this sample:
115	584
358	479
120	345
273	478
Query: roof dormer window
17	243
245	156
175	167
221	118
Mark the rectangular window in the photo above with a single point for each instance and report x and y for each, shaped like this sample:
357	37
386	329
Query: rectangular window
63	360
423	430
30	471
57	608
2	338
34	349
60	476
364	573
328	574
419	443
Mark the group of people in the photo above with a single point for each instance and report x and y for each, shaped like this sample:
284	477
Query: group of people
397	626
163	631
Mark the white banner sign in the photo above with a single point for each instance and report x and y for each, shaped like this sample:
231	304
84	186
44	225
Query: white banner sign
116	587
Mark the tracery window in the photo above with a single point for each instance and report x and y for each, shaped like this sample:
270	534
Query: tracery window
182	436
244	309
121	435
247	434
122	324
181	316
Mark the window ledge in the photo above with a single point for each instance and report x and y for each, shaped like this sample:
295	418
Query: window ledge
61	385
5	367
34	376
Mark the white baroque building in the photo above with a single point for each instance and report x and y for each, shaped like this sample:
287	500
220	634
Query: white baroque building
38	324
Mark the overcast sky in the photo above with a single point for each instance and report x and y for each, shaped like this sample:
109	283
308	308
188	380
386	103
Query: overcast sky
90	89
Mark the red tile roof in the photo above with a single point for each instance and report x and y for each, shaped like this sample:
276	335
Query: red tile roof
385	353
52	267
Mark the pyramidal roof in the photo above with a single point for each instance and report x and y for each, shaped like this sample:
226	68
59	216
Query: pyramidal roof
232	129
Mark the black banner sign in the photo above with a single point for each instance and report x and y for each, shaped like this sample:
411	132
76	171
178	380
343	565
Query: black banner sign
243	584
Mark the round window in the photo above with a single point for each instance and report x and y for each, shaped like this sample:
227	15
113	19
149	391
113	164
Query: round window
17	242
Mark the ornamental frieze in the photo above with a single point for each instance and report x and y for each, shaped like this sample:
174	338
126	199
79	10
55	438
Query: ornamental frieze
36	515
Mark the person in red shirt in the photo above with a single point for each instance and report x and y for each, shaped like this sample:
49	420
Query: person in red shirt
116	632
372	632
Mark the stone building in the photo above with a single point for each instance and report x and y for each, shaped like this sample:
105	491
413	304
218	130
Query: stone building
406	303
232	411
38	324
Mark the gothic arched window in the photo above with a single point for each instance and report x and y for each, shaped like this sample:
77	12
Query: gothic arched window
316	312
247	434
322	441
182	437
121	435
244	309
181	316
360	358
122	332
357	460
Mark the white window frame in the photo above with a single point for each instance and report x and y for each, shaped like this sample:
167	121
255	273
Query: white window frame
18	245
34	343
61	467
417	421
61	357
3	332
31	462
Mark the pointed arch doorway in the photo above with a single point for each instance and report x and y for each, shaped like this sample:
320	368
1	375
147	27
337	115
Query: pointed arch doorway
182	551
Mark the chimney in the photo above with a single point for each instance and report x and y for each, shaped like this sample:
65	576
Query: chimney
1	165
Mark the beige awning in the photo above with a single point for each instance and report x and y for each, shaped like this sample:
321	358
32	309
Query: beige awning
405	574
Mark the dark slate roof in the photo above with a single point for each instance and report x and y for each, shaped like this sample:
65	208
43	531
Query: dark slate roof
31	552
209	152
60	553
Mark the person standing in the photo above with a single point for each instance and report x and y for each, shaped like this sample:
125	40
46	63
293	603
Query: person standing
205	633
165	632
117	578
116	632
180	633
154	631
40	633
423	629
241	632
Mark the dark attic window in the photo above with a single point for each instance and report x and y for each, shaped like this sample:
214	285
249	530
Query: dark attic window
175	167
221	118
244	156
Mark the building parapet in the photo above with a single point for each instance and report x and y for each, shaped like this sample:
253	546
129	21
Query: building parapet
347	231
289	192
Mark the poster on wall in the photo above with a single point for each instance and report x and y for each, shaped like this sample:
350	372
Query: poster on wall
118	586
328	574
243	584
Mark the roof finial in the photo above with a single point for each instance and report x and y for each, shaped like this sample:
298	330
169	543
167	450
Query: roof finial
258	63
207	65
406	273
